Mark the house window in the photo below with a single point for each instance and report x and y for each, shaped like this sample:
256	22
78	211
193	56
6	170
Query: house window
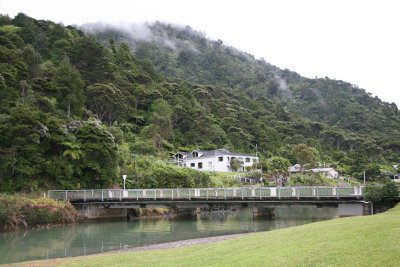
192	165
210	163
200	165
221	159
195	154
247	159
184	165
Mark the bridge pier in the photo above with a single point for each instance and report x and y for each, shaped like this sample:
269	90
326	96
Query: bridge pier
101	212
264	212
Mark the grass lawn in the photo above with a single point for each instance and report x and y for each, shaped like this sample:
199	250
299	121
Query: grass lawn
353	241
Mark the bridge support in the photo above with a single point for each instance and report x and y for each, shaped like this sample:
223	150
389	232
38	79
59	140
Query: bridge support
264	212
101	212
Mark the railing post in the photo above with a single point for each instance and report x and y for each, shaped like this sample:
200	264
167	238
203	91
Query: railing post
84	195
207	193
279	192
224	193
66	195
242	194
102	195
92	194
120	195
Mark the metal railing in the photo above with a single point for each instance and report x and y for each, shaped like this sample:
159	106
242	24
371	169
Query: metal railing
261	193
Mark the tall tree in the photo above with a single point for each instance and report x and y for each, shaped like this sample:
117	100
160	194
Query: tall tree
70	85
303	154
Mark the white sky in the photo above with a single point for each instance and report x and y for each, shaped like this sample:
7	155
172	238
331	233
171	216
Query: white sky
351	40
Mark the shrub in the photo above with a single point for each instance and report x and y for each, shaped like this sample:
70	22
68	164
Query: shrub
16	211
386	194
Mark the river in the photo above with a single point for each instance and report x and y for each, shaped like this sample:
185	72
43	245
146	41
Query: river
101	236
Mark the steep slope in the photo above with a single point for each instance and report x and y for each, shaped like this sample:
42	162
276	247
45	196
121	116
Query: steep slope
181	52
76	113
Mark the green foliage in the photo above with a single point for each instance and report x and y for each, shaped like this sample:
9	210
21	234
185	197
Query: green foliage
16	211
150	172
277	166
152	100
308	180
304	154
236	164
386	194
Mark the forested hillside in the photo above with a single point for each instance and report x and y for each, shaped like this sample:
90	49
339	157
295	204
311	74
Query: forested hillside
77	113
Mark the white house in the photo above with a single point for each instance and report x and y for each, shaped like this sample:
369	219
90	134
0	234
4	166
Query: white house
218	160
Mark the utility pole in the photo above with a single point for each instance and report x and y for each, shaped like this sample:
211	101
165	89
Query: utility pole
256	156
364	178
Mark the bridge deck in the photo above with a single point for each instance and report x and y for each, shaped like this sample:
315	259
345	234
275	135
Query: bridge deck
201	194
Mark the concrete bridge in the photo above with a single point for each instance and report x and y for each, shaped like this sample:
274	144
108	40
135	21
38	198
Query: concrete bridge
96	203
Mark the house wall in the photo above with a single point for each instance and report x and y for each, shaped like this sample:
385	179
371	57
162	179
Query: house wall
213	163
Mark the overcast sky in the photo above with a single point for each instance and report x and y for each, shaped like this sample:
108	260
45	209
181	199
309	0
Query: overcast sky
350	40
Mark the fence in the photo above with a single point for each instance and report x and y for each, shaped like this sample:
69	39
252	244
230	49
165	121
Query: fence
262	193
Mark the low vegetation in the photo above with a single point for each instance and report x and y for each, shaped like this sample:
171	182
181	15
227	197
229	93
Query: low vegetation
352	241
17	212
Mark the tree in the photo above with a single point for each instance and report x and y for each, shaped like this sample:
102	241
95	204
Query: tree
236	164
278	168
106	101
303	154
70	86
384	196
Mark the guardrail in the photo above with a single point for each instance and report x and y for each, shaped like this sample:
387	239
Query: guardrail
261	193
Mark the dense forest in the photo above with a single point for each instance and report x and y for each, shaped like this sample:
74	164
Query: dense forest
81	106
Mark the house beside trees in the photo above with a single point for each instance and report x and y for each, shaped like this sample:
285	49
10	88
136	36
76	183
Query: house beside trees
219	160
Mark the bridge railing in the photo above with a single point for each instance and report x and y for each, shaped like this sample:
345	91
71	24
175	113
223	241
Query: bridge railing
303	192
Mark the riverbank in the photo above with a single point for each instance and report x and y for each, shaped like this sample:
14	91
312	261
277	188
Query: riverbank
21	212
360	241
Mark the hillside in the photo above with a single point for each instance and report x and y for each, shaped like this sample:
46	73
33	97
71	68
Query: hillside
183	53
78	111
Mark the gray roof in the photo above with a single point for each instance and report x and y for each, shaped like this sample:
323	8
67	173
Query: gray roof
218	152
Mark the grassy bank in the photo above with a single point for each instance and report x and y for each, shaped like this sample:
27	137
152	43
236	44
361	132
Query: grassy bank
17	211
354	241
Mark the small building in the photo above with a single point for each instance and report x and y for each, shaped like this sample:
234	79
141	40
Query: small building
218	160
328	172
295	169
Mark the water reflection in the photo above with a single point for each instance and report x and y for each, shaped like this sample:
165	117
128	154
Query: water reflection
97	237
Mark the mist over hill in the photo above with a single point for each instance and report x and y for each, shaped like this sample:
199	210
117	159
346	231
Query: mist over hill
81	106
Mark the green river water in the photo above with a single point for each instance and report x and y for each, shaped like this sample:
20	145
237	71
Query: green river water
102	236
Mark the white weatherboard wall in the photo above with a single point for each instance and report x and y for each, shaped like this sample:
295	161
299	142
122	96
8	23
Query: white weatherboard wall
213	163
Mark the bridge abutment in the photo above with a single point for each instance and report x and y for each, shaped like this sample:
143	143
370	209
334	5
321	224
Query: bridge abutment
92	212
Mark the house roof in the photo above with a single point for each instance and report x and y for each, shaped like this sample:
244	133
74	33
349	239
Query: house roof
182	153
217	152
322	170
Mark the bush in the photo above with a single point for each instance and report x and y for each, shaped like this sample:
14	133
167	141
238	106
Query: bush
306	179
16	211
386	194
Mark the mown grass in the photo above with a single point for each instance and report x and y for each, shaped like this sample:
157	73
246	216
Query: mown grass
354	241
